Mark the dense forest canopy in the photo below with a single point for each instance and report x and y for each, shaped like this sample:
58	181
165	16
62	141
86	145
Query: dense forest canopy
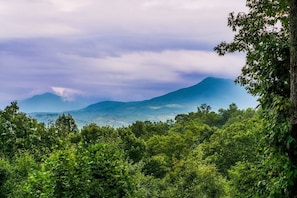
228	153
200	154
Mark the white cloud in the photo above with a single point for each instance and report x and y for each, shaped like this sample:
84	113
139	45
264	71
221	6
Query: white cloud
191	4
69	5
67	94
205	20
129	76
163	66
29	19
119	49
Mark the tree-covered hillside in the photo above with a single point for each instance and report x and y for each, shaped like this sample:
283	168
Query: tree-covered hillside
200	154
217	92
227	153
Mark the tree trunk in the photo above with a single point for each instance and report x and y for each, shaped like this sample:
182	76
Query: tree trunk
292	152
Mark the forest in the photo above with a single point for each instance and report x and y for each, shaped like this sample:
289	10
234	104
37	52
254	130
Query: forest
227	153
199	154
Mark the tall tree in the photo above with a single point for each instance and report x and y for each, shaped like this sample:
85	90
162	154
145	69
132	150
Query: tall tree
267	34
292	144
66	124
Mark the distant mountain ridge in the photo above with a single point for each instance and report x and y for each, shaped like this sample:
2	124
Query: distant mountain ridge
207	90
216	92
48	102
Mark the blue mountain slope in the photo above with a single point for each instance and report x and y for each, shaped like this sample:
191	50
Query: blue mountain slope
48	102
210	89
105	105
216	92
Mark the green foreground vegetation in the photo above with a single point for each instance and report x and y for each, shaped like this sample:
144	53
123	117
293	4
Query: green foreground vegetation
200	154
229	153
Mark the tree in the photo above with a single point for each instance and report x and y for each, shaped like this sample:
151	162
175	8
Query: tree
267	35
135	148
262	34
93	133
19	132
98	170
292	139
234	143
66	124
5	174
194	177
147	129
197	179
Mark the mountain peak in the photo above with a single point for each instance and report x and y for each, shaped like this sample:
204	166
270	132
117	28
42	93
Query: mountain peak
48	102
45	96
215	81
216	92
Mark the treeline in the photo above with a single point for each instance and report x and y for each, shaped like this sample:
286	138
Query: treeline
200	154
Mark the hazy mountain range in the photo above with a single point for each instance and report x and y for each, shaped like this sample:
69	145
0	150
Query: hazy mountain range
216	92
49	102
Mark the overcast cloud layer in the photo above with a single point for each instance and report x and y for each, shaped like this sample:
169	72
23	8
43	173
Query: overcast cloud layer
116	49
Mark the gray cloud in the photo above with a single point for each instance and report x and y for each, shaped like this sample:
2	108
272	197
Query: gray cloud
121	50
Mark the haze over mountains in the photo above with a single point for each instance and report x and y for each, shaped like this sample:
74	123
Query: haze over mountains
49	102
216	92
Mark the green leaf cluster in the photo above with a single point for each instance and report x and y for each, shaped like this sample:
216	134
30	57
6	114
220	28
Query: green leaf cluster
262	33
199	154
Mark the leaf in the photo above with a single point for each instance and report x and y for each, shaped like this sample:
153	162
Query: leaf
289	141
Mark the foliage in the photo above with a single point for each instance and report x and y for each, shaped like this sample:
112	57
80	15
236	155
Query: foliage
65	124
263	34
200	154
97	171
199	180
232	144
229	153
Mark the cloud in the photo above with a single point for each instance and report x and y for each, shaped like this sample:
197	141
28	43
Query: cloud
123	70
131	75
67	94
205	20
120	50
28	19
165	106
161	66
69	6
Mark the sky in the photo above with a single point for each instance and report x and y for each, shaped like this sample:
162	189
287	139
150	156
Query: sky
123	50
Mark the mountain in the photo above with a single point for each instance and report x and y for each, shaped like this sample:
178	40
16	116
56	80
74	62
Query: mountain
48	102
216	92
